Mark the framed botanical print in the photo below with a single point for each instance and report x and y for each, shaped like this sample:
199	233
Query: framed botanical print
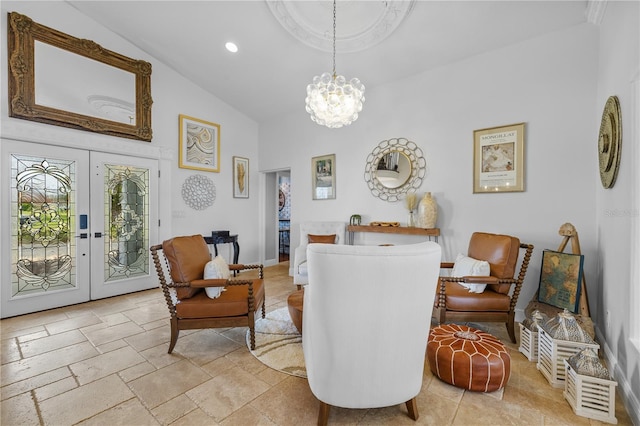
323	177
199	144
240	177
498	159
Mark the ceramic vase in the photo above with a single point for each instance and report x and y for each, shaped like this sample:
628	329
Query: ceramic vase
427	212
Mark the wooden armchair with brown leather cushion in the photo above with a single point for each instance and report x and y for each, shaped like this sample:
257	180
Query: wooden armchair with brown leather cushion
185	259
497	303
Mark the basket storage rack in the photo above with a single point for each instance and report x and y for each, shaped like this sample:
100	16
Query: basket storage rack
553	352
528	342
590	397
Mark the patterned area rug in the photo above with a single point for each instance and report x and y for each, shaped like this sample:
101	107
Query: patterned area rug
278	343
279	346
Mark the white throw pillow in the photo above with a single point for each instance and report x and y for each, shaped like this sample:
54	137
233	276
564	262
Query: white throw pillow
467	266
216	268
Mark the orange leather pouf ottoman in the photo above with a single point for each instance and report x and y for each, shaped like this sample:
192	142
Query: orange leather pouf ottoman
294	303
468	358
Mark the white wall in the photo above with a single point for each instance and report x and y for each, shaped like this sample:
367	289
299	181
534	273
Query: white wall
172	95
548	82
557	84
618	291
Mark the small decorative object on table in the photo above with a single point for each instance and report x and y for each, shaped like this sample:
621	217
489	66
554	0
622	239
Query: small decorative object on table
427	212
392	224
589	389
355	220
411	202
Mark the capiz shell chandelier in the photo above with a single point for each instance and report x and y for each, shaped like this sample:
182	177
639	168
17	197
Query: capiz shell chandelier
333	101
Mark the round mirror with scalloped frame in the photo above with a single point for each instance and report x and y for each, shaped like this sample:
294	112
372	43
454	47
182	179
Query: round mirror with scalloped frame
395	167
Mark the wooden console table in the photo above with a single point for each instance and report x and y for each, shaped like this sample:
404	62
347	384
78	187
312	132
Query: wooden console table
402	230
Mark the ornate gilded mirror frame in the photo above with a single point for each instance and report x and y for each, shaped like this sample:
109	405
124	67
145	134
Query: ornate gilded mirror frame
418	169
23	32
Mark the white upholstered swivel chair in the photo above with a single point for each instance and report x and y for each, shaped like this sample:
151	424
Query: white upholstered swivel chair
366	320
300	277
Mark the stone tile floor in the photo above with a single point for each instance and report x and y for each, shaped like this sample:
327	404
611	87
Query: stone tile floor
106	362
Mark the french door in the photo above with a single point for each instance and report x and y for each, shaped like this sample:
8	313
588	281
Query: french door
76	226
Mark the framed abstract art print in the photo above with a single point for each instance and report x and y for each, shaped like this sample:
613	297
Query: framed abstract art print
199	144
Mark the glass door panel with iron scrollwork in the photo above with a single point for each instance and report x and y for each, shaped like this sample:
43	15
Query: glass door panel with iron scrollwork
48	261
79	225
124	222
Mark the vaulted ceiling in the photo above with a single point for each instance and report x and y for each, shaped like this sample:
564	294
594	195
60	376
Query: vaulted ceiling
282	44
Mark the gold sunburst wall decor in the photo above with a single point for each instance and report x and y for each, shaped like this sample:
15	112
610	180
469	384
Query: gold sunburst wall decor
610	142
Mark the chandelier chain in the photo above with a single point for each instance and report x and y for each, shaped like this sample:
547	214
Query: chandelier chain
334	39
331	100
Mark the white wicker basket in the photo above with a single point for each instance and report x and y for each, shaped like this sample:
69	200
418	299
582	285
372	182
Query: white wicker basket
590	397
553	352
529	342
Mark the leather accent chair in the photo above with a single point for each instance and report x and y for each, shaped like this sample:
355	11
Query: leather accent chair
300	276
454	303
183	287
366	320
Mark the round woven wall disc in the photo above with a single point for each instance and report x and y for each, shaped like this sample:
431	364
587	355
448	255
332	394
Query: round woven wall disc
609	142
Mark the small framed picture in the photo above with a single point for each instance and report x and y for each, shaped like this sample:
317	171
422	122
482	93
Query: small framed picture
323	177
498	159
240	177
199	144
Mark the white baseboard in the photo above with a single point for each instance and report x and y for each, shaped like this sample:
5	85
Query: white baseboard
629	398
270	262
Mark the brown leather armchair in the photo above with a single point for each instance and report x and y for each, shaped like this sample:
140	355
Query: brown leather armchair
189	306
454	303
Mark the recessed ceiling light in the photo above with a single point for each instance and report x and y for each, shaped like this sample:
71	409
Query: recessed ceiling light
231	47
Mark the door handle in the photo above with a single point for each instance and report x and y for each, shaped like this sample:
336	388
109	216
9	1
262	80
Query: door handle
98	235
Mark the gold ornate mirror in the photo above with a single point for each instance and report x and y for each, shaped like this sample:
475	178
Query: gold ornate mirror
58	79
393	168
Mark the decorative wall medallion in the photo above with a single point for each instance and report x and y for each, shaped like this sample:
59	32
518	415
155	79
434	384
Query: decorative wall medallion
198	192
366	23
609	142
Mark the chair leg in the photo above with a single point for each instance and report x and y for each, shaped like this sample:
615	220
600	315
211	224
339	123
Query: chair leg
323	414
412	408
511	326
174	334
264	309
252	336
